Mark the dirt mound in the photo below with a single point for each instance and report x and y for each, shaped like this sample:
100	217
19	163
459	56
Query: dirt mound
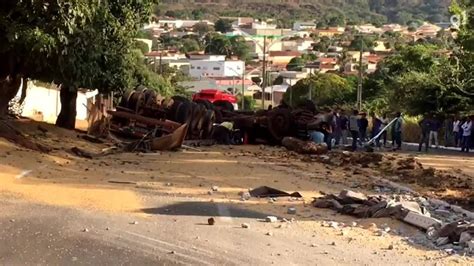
412	172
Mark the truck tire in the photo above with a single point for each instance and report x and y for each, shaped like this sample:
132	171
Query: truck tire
205	103
224	105
279	124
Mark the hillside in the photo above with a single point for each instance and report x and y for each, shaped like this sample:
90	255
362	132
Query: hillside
324	11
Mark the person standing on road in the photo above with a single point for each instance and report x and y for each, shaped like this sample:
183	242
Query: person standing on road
425	132
435	126
466	135
385	122
363	125
354	128
397	131
344	125
448	131
376	127
456	131
337	126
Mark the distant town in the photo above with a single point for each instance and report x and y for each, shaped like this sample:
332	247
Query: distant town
287	54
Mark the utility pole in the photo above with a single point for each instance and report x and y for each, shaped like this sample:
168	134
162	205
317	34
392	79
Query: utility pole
243	90
264	66
359	86
161	66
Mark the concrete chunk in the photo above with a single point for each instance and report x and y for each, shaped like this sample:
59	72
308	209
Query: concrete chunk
420	220
351	196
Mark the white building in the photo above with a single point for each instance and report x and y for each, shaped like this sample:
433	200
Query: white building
215	66
43	103
301	25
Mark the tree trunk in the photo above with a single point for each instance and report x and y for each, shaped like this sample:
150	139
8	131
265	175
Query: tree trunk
8	89
67	116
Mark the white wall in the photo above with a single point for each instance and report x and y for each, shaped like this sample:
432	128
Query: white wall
206	68
44	103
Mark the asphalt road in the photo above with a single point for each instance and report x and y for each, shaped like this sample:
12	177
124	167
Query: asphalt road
173	233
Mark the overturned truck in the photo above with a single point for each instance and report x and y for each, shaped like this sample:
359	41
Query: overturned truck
142	112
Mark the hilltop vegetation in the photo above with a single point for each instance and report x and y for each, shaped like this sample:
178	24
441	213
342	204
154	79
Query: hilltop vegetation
332	12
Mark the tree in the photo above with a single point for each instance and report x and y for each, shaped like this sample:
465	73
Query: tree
417	80
189	45
85	45
327	89
223	25
367	43
201	28
223	45
296	64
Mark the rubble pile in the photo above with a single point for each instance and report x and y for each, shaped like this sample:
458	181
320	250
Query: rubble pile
450	228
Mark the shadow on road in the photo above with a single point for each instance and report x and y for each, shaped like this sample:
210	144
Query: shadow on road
197	208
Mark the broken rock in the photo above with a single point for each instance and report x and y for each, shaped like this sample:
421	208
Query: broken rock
211	221
291	210
420	220
349	196
271	219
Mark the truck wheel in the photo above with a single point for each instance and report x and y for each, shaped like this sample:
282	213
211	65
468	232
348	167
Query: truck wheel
205	103
224	105
178	98
184	113
279	123
207	124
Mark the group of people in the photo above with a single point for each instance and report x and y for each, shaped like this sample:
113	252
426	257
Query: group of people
335	127
457	132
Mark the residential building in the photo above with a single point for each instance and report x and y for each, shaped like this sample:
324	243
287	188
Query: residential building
393	28
230	84
215	66
379	47
300	45
327	64
368	29
354	56
329	32
428	30
282	58
302	25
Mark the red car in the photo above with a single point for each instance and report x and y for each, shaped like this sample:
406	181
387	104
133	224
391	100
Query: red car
216	96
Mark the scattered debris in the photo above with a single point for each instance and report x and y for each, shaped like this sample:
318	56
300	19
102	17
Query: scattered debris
244	195
215	188
211	221
269	192
303	147
291	210
122	182
271	219
413	210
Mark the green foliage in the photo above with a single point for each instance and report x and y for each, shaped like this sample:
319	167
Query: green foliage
417	80
223	45
223	25
367	43
326	90
296	64
143	47
249	102
85	44
201	28
325	12
189	45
